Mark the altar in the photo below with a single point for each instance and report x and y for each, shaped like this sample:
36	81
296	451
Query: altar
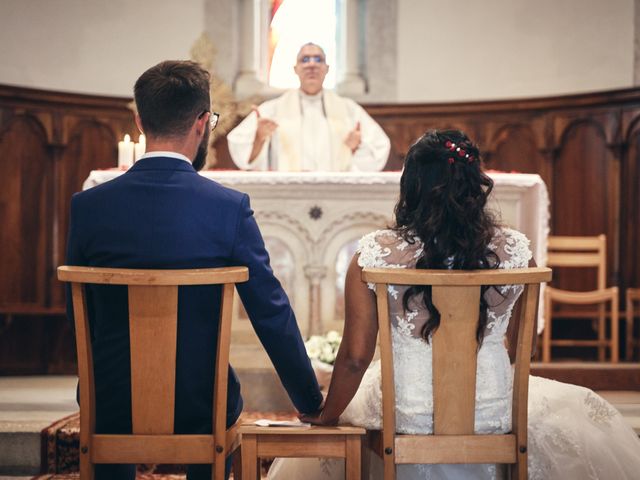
311	222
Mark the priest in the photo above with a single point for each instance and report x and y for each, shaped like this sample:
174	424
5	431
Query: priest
310	128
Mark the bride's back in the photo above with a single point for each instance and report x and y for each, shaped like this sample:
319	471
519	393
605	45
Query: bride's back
442	222
412	353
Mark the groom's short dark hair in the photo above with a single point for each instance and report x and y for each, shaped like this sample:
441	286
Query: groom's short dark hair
170	96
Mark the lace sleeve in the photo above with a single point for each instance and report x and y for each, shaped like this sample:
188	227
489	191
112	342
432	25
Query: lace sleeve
516	247
371	253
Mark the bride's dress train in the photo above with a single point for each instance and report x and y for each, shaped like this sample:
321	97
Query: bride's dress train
573	432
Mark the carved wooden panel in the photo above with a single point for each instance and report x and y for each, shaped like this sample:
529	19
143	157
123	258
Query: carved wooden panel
514	147
630	209
584	187
25	168
585	147
91	145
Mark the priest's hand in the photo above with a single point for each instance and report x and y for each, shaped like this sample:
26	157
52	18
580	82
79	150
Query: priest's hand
266	126
354	138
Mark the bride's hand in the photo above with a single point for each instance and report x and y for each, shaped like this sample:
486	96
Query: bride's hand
316	419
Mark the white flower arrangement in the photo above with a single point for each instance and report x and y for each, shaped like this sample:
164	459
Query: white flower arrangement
324	348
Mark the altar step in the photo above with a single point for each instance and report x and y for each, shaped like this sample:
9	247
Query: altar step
30	404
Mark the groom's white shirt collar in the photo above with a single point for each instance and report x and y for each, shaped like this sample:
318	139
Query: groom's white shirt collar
165	154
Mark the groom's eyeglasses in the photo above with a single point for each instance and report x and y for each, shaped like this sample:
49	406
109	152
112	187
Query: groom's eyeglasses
213	119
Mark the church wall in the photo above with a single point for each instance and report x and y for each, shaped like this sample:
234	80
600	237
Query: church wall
91	46
512	48
446	51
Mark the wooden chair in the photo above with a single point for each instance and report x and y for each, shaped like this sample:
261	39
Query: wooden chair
632	295
456	294
153	307
581	252
334	442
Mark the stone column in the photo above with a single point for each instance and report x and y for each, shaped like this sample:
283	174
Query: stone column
315	274
352	83
247	82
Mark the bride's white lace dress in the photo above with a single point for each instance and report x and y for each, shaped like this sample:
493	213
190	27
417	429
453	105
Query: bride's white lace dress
573	433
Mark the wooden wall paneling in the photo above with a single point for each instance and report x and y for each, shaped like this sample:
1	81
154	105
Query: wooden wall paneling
26	172
515	147
27	346
586	148
630	202
91	145
585	185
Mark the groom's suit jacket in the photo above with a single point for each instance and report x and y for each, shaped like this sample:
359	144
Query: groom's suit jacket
161	214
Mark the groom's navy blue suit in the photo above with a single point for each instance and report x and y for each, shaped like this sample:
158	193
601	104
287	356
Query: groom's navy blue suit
162	214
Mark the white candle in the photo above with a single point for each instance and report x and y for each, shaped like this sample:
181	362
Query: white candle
140	147
125	153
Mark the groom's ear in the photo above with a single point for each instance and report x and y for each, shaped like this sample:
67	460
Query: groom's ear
139	123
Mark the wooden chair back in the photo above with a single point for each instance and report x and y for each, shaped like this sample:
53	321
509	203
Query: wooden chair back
583	252
456	294
153	315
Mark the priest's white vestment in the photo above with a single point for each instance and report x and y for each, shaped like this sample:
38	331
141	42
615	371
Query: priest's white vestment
310	135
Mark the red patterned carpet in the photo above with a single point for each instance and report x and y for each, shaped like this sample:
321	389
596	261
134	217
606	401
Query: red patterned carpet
60	450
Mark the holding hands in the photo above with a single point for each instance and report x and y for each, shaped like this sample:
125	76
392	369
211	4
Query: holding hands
316	418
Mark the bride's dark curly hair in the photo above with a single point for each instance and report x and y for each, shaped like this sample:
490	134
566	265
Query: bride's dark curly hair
443	194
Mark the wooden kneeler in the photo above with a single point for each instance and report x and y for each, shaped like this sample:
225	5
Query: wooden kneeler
153	315
293	442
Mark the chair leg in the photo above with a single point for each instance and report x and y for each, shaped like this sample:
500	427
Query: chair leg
365	458
353	459
602	335
615	326
249	455
628	354
218	470
546	332
87	469
629	324
237	464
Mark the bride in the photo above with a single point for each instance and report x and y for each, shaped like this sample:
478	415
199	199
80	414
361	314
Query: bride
441	222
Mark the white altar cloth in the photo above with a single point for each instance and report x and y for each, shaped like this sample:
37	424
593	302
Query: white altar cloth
309	217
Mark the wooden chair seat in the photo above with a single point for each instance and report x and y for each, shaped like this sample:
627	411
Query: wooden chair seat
582	252
342	441
456	294
153	315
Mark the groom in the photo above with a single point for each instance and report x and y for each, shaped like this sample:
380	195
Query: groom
161	214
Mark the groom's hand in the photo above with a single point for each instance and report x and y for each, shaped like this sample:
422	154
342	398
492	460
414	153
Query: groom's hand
316	417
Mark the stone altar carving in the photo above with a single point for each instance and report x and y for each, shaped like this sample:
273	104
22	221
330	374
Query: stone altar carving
307	218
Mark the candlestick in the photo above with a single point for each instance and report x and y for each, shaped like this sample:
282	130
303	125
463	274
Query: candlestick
125	153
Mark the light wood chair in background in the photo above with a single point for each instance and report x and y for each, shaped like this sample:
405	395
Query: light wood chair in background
153	308
632	295
293	442
456	294
582	252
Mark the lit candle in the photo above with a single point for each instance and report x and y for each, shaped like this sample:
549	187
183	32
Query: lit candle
125	153
140	147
